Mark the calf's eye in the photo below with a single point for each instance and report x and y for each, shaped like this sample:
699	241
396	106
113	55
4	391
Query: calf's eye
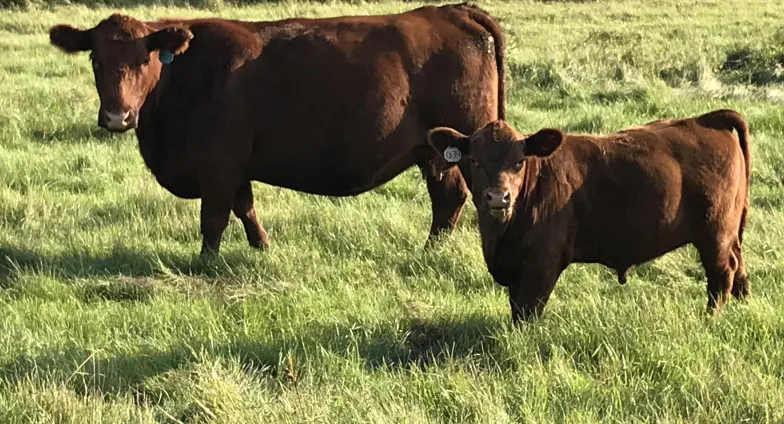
518	166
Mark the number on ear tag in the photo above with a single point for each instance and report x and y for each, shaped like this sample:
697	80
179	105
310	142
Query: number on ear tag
166	56
452	154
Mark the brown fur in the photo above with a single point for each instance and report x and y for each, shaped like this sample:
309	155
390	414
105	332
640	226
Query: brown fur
333	106
618	200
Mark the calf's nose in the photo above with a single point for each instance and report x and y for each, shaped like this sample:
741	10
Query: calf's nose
497	198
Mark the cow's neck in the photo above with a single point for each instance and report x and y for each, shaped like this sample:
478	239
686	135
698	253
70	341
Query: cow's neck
151	149
161	117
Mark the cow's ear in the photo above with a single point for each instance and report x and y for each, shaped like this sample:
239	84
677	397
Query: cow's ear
172	39
543	143
450	144
70	39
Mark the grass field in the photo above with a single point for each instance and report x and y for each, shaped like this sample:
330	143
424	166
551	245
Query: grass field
108	315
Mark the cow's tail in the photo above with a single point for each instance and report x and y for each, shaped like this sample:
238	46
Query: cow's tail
492	26
734	120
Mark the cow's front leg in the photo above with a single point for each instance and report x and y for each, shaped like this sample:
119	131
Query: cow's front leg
217	200
448	195
530	294
246	212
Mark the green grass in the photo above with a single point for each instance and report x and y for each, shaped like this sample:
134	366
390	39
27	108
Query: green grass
109	316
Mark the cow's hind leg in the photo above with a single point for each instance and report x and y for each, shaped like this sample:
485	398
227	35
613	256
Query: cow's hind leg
448	195
720	265
246	212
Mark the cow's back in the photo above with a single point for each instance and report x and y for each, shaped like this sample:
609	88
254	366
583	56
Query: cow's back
349	99
651	189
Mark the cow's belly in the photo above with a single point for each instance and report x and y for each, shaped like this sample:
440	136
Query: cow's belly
180	178
356	156
343	176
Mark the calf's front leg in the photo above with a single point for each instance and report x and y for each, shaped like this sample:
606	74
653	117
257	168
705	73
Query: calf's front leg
530	294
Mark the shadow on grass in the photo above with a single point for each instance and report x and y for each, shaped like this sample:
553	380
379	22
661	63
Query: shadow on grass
86	372
119	261
74	133
417	343
424	343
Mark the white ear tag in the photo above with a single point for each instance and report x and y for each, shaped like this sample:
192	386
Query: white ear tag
452	154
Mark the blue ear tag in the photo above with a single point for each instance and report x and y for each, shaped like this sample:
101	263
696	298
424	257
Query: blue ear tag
166	56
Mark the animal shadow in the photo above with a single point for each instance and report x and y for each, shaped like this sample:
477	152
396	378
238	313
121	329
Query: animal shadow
118	262
426	342
72	134
421	343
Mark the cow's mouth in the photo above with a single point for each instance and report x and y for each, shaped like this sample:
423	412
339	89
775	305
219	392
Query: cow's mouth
117	130
500	213
117	122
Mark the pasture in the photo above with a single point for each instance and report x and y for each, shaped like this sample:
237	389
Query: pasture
109	315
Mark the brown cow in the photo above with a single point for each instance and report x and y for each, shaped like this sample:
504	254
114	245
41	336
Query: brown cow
550	199
333	106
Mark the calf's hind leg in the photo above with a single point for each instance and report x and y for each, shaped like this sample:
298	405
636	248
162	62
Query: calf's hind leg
720	264
246	212
741	287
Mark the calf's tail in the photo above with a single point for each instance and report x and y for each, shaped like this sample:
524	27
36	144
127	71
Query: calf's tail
733	120
742	127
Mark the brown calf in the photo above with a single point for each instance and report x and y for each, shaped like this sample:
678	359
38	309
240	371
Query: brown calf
551	199
333	106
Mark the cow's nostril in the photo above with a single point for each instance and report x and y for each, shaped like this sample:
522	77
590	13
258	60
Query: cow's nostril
506	197
120	120
489	197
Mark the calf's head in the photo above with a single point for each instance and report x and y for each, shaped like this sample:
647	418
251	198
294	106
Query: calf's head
126	57
498	155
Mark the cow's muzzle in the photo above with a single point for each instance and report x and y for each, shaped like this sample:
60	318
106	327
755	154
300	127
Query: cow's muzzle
117	121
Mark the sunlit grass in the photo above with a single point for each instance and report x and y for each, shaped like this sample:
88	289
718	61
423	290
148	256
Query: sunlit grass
108	315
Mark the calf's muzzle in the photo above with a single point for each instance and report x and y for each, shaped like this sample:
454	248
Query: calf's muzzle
499	202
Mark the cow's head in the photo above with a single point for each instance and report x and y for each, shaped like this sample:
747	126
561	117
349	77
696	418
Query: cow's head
497	154
126	58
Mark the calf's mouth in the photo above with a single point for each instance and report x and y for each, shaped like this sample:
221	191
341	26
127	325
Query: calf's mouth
500	213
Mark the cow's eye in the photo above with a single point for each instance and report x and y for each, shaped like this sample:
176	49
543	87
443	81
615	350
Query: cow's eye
518	166
96	65
144	62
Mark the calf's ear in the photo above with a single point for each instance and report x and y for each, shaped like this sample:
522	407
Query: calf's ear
173	39
544	143
449	143
70	39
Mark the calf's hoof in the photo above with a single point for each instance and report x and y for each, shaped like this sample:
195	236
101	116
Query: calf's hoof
434	240
208	252
621	277
715	308
741	289
260	245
